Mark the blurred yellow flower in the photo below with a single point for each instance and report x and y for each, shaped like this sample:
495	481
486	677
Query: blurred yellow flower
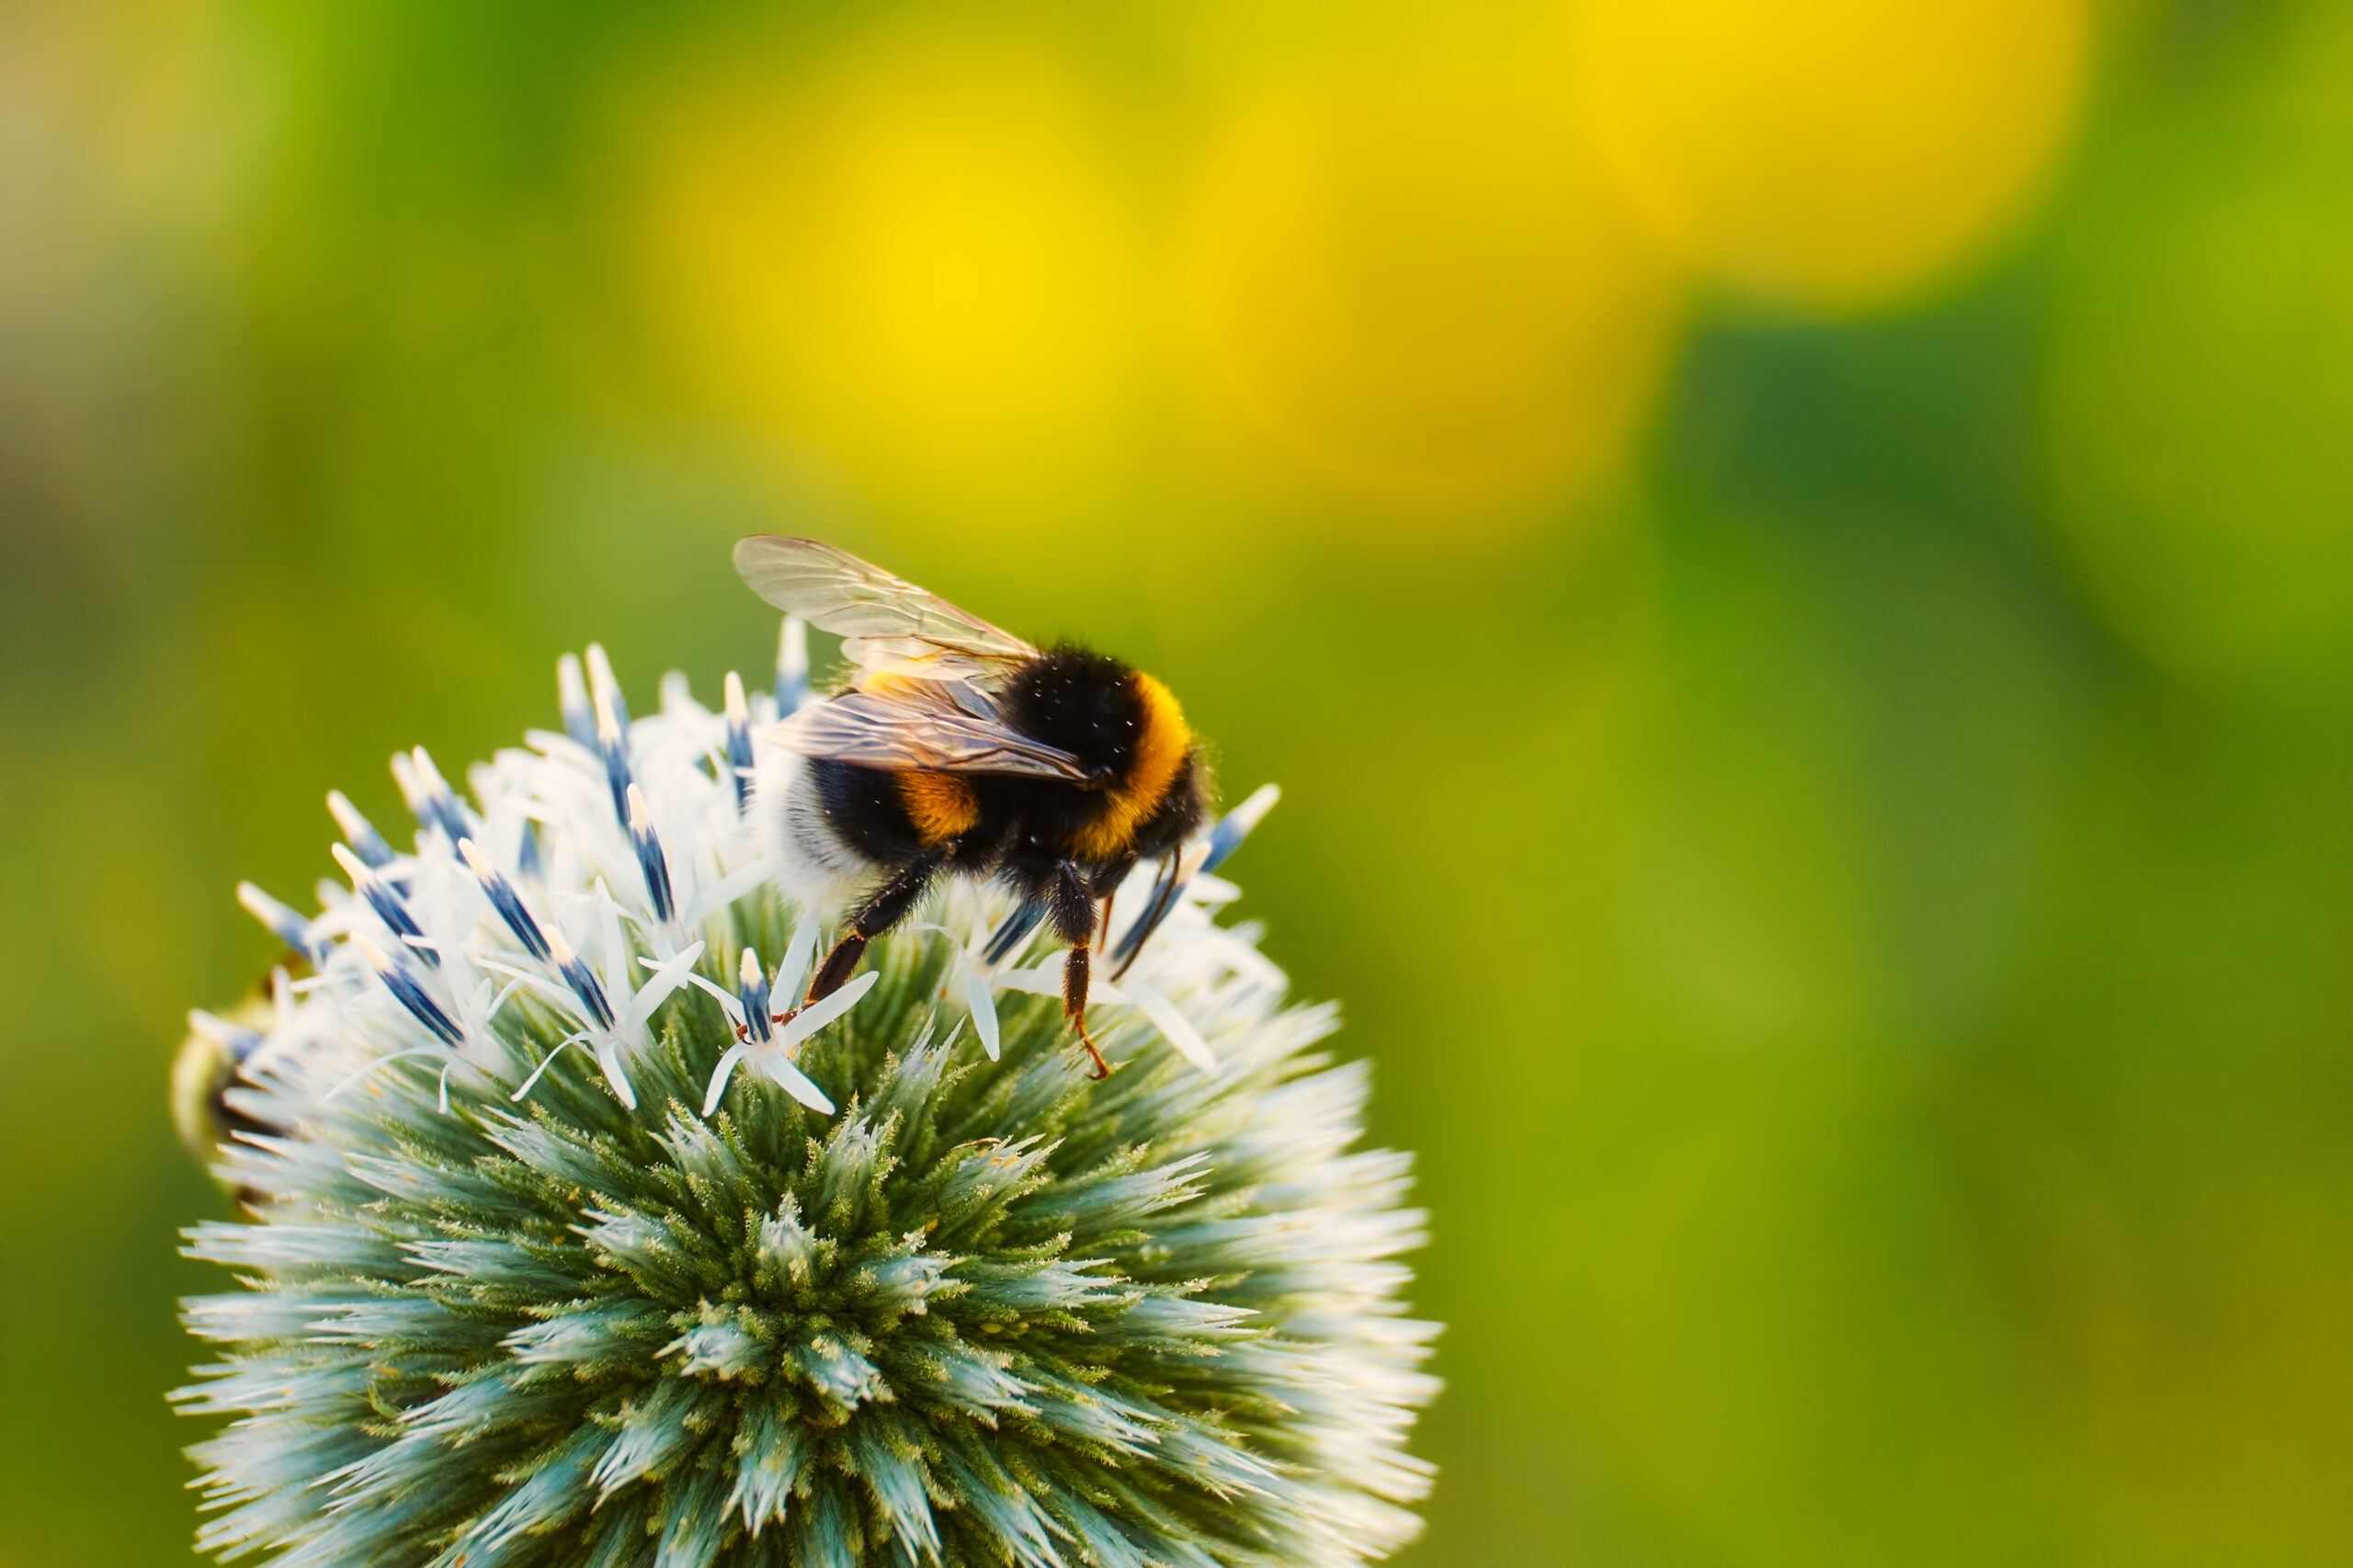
918	268
1411	287
1831	153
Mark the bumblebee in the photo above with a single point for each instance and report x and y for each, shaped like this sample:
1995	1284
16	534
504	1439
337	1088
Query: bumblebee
958	749
204	1071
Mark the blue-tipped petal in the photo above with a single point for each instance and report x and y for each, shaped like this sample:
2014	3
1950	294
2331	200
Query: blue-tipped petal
583	984
1165	894
504	899
754	989
382	899
403	986
739	740
1225	839
411	791
603	688
649	854
436	805
1014	932
236	1038
357	830
791	666
571	695
613	745
1237	823
281	920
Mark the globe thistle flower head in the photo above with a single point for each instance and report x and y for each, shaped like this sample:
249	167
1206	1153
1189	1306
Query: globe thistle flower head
568	1241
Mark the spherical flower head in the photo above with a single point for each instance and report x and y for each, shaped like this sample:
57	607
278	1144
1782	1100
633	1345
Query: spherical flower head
569	1242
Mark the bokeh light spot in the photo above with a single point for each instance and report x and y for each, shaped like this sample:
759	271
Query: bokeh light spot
1415	291
1831	153
920	266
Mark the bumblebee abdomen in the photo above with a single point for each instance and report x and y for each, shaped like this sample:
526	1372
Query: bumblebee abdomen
887	818
864	812
940	806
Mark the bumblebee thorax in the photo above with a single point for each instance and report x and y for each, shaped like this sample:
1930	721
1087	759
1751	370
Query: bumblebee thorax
1087	704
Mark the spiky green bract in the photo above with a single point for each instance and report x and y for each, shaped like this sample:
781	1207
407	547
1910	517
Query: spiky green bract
989	1311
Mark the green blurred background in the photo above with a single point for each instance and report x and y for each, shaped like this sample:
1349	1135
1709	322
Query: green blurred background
1793	558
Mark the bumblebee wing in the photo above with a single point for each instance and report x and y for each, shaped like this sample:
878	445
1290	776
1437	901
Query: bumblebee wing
943	735
887	624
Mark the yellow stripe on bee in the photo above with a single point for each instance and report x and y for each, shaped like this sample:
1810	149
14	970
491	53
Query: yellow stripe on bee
1160	752
939	804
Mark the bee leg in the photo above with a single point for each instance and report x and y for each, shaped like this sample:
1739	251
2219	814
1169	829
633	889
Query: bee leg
1072	909
1105	883
877	914
1074	969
